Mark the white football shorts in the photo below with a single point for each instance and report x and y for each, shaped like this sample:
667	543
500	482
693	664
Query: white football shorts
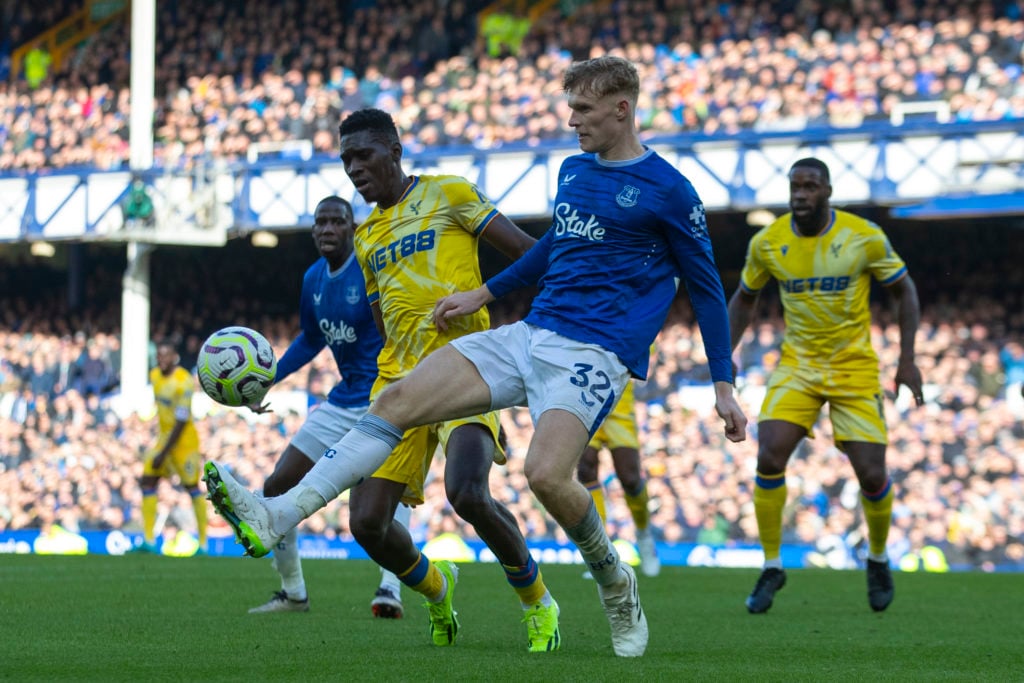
528	365
324	427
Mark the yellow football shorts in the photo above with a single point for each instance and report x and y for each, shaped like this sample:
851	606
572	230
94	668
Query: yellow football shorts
410	461
796	395
183	460
618	429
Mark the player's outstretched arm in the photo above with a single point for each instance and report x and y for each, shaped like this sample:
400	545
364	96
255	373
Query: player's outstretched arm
741	312
460	303
507	237
730	412
909	315
301	351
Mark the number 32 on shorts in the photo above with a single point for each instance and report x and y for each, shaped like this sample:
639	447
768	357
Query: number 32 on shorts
597	388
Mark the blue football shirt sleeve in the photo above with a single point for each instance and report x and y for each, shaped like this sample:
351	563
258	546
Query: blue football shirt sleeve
708	300
527	270
299	352
307	345
691	246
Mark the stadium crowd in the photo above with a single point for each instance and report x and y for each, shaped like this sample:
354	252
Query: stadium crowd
225	81
70	456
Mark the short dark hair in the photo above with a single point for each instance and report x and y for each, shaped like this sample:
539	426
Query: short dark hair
377	121
812	162
335	199
167	343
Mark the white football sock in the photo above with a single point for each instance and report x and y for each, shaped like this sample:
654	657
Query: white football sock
289	566
598	552
355	457
349	461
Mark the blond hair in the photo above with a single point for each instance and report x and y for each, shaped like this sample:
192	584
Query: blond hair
603	76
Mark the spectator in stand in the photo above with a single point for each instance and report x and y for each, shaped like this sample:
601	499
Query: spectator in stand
935	485
766	60
221	89
95	374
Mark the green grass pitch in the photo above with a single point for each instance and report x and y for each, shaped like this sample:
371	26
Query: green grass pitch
144	618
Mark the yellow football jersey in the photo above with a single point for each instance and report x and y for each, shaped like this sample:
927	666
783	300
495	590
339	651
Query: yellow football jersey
824	284
416	252
173	395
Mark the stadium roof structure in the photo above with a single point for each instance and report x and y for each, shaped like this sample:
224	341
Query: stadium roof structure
964	206
922	171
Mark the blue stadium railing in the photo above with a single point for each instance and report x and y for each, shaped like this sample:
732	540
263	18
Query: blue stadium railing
921	169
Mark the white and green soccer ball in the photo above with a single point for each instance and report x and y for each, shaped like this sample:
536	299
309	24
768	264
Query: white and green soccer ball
236	366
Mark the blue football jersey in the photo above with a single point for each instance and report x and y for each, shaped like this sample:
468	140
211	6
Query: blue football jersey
624	234
334	312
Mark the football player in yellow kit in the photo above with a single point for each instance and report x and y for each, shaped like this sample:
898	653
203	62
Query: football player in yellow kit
824	260
418	244
177	447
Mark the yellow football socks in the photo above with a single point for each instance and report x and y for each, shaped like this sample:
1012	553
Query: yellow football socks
597	493
149	516
527	582
199	506
424	578
637	504
769	500
878	515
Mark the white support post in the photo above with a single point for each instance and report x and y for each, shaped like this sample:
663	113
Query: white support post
135	284
135	325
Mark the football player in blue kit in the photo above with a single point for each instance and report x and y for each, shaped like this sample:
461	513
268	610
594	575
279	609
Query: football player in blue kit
627	229
333	312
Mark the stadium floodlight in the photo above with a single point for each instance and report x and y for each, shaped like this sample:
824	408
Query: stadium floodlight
264	238
42	249
758	218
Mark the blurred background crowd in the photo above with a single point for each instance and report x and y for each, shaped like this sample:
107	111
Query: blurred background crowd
232	73
67	456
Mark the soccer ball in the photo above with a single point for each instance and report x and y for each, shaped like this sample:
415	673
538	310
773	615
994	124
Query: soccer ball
236	366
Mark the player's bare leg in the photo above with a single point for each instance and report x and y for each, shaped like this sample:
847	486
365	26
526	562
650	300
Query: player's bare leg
371	510
558	441
387	601
467	469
